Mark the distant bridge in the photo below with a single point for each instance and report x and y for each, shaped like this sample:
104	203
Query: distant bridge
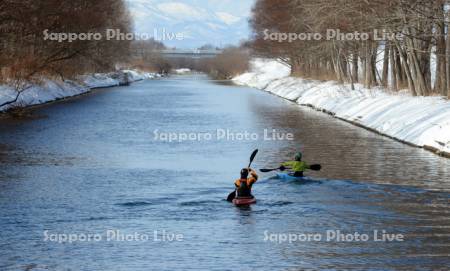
186	53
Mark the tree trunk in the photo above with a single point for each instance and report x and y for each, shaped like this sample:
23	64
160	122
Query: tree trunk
295	66
424	58
447	57
385	72
440	85
406	69
355	67
370	69
374	64
394	68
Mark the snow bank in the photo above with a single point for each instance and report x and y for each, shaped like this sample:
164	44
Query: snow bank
50	90
421	121
262	72
137	75
182	70
100	80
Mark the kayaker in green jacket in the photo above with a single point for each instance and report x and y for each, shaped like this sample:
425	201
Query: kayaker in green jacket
297	166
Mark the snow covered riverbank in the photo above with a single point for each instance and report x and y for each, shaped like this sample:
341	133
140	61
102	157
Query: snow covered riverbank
420	121
51	90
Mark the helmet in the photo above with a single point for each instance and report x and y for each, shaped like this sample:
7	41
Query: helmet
298	156
244	173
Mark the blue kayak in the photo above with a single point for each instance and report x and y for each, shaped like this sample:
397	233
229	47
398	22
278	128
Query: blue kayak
288	176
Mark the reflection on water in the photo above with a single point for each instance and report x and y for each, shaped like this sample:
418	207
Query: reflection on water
93	165
353	153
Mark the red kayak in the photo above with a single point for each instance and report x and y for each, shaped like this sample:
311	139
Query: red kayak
241	201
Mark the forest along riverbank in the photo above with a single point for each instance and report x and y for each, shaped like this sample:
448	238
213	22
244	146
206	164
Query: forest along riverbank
48	90
419	121
92	164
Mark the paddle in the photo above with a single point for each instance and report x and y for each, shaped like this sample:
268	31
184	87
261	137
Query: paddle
232	195
269	169
311	167
252	157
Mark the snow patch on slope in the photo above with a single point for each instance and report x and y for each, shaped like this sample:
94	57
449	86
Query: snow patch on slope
262	72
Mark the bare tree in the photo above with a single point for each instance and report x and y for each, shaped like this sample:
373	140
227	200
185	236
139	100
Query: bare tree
26	55
405	62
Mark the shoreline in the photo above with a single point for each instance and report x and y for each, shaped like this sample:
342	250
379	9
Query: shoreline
9	111
375	110
54	91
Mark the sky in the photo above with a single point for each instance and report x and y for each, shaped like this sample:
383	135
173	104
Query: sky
192	23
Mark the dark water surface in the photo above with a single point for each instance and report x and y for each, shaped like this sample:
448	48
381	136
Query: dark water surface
92	164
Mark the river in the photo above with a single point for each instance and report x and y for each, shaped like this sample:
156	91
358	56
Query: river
99	164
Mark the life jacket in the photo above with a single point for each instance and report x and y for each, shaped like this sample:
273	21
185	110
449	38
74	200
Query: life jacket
244	189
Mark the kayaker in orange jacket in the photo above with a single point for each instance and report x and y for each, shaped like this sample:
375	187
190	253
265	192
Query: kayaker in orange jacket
245	183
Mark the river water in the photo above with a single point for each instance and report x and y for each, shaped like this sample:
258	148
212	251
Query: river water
99	164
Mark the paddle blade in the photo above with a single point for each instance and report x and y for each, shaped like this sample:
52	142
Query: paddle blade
231	196
267	169
252	156
315	167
